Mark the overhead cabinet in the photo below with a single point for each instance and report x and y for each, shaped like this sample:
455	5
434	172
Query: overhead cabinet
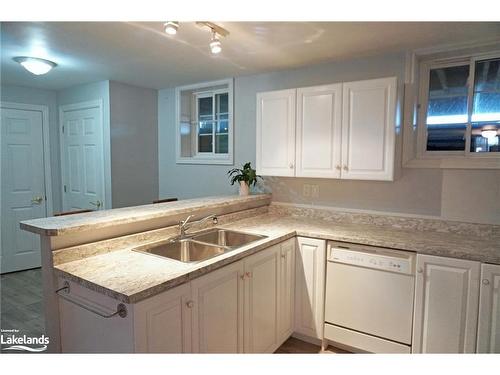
344	130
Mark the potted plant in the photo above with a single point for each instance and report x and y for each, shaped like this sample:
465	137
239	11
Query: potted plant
246	177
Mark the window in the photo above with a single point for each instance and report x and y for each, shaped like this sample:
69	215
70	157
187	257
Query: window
204	123
461	119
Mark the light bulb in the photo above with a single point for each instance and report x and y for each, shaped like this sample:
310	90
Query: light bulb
215	44
35	65
171	27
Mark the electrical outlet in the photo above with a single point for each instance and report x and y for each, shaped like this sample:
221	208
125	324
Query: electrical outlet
315	191
306	190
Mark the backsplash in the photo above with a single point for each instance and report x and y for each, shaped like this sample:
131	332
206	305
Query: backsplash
400	221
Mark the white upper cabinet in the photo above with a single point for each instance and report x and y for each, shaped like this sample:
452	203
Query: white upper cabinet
276	133
318	142
488	335
446	300
345	130
368	129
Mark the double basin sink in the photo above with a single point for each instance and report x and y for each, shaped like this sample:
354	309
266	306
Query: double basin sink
197	247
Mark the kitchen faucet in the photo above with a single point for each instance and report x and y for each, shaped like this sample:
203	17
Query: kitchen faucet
184	225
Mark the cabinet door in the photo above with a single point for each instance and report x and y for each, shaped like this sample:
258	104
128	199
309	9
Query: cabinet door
319	131
276	133
218	311
446	300
261	301
286	296
368	129
488	335
310	286
162	324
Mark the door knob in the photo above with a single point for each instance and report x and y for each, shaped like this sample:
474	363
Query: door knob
420	270
97	204
486	282
190	304
37	200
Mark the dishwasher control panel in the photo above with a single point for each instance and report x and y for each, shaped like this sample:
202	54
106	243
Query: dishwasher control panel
382	259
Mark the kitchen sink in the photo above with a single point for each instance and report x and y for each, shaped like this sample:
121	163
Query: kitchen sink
200	246
186	250
224	237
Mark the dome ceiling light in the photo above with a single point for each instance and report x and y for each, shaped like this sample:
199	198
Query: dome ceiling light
35	65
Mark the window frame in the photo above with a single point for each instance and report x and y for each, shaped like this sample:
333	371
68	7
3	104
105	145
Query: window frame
423	100
202	90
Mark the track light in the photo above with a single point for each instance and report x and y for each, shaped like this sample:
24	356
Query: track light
215	44
171	27
35	65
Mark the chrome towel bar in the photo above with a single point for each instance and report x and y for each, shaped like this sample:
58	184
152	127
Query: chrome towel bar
121	309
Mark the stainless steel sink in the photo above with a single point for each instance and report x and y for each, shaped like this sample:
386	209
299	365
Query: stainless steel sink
224	237
186	251
200	246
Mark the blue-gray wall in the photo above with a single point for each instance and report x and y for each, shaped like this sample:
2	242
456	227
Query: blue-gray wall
434	192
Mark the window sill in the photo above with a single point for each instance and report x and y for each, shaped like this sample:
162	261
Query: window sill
455	163
206	161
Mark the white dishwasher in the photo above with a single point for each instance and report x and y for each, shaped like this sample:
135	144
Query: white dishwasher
369	297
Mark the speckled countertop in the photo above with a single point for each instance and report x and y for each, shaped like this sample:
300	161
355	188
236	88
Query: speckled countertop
61	225
131	276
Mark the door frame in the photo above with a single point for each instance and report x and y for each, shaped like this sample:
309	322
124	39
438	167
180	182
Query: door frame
46	148
106	159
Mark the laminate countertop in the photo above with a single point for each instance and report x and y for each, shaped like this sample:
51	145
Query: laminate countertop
131	276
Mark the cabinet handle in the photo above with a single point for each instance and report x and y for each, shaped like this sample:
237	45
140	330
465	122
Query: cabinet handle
242	277
291	165
338	167
420	270
248	274
345	168
486	282
283	256
190	304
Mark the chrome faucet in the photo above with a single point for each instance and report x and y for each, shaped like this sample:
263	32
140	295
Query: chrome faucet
185	224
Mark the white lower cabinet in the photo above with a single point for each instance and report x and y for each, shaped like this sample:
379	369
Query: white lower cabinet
261	301
244	307
446	305
488	334
217	306
286	297
162	324
310	287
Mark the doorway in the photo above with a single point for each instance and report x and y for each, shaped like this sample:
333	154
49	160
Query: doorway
82	156
25	182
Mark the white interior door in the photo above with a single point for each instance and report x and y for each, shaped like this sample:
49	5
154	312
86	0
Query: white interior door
319	117
82	158
23	187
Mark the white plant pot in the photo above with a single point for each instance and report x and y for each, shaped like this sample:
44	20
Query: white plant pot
244	188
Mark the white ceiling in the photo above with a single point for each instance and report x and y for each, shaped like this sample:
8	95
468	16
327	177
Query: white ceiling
142	54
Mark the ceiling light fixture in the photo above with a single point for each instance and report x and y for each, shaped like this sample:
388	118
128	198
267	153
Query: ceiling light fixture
215	44
35	65
217	32
171	27
489	131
